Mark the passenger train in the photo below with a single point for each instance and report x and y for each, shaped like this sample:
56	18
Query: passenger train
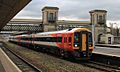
76	42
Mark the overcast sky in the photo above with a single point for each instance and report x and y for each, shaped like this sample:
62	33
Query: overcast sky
72	9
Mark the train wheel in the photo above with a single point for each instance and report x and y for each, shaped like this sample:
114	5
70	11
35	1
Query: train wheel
43	49
63	54
66	54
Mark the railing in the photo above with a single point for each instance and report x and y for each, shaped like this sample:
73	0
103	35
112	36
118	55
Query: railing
27	27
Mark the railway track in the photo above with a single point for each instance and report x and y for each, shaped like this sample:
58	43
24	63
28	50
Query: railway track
94	64
23	64
101	66
49	63
90	64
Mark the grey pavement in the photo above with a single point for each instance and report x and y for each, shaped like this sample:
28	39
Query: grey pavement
1	67
107	51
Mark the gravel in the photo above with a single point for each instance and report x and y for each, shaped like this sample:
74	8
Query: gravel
47	62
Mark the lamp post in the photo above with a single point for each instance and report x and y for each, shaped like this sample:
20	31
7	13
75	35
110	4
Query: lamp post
117	29
93	34
111	26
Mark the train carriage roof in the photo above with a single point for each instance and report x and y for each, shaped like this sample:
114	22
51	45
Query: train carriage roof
54	32
63	31
24	35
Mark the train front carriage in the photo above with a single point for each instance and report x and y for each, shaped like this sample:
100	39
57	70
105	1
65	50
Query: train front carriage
82	44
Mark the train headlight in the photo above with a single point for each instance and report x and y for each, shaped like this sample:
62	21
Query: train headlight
76	45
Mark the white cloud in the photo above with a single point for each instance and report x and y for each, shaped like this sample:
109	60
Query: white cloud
72	9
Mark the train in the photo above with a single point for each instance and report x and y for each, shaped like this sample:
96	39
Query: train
75	42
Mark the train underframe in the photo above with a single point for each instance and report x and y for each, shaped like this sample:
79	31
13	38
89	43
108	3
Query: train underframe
83	55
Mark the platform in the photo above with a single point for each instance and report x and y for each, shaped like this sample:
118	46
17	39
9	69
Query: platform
1	67
107	51
109	45
6	64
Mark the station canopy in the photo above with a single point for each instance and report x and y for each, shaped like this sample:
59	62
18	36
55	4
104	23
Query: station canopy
9	8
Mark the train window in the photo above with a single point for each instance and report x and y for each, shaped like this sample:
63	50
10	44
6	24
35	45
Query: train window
69	39
49	39
52	39
59	39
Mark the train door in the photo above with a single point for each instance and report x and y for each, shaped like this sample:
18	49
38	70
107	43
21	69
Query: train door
32	40
86	41
69	41
64	42
83	42
62	46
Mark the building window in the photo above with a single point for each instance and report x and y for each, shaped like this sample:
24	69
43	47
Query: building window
101	20
51	17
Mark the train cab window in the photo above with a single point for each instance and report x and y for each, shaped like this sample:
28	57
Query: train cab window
77	39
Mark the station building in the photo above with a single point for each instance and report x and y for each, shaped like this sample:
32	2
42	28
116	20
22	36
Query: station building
97	23
50	22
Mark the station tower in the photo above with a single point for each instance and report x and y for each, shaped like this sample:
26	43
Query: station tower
49	18
98	20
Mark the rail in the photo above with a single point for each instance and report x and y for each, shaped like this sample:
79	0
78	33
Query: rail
29	65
